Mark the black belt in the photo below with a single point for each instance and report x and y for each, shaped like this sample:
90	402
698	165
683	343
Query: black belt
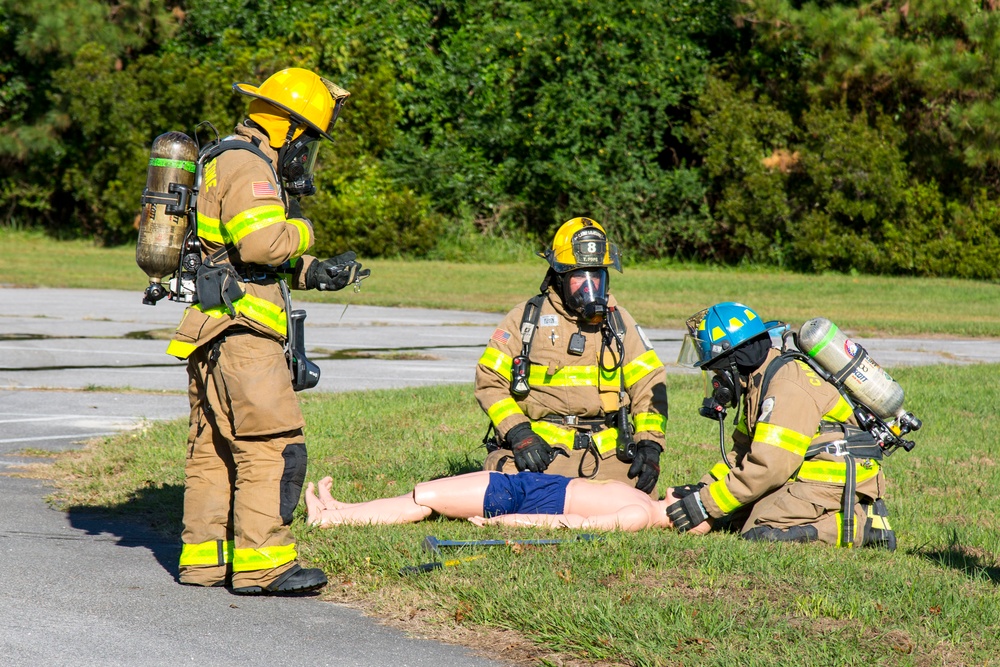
253	273
572	421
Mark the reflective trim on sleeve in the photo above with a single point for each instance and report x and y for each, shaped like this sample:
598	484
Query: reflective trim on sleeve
305	235
650	421
719	470
841	412
210	229
835	472
216	552
497	361
723	498
641	366
252	219
782	437
503	409
245	560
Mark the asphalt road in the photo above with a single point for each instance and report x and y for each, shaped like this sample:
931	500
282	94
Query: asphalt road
78	589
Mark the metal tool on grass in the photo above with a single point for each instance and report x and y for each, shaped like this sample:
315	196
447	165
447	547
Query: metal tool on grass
434	545
436	565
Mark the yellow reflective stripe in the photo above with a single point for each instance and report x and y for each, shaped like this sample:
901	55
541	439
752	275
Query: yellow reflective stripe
554	435
606	440
719	470
252	219
840	413
503	409
650	421
498	361
839	518
779	436
181	350
742	426
641	366
210	229
305	236
835	472
571	376
245	560
216	552
255	308
879	522
723	497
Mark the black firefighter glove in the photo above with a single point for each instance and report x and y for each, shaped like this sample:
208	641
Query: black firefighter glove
335	273
689	511
646	465
530	451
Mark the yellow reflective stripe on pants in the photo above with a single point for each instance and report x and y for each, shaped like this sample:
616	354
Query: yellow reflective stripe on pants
246	560
785	438
503	409
641	366
246	222
723	497
604	441
214	553
835	472
650	421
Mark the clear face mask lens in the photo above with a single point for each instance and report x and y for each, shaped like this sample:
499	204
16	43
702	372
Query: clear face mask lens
689	353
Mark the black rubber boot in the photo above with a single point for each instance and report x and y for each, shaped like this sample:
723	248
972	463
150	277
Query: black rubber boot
793	534
295	581
878	533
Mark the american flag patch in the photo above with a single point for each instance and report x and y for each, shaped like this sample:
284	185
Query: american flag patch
264	189
500	336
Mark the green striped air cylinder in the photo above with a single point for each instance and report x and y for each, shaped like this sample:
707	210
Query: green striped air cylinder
850	364
172	160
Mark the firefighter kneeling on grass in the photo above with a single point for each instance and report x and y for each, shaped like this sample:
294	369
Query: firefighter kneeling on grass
246	459
800	470
569	380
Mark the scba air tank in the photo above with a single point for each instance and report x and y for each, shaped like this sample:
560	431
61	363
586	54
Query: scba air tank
173	161
849	363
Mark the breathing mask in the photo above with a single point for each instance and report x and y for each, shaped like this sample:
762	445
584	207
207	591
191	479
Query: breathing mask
297	160
585	292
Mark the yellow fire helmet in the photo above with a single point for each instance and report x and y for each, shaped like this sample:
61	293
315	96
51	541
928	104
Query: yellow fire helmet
292	100
581	243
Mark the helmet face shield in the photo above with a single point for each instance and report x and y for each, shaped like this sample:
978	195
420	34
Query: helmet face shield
585	291
298	162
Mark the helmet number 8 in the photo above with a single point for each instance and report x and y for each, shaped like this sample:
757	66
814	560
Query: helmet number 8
591	247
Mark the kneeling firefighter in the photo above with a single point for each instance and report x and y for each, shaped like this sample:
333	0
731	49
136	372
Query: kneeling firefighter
801	468
246	459
570	382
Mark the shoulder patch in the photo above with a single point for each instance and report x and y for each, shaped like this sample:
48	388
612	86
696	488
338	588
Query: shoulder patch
263	189
500	335
548	321
765	409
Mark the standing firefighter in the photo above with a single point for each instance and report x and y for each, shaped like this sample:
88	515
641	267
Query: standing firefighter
246	459
569	380
800	469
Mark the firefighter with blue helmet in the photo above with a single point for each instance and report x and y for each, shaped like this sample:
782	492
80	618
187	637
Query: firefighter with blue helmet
569	380
246	458
800	469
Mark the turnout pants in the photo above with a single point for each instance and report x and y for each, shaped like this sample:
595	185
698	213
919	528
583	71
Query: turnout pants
246	463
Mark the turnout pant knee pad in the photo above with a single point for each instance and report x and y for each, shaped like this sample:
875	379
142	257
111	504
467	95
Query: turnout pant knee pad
292	479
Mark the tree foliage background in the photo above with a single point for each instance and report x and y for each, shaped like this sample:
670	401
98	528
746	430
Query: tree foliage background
824	135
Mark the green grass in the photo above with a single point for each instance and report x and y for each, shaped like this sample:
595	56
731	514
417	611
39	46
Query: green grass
656	296
654	598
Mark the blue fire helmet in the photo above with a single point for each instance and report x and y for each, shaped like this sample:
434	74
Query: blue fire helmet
715	331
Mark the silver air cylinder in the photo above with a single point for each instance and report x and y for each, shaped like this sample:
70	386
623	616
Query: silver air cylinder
163	220
849	363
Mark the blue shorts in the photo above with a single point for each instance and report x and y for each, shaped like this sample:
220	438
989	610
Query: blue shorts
525	493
